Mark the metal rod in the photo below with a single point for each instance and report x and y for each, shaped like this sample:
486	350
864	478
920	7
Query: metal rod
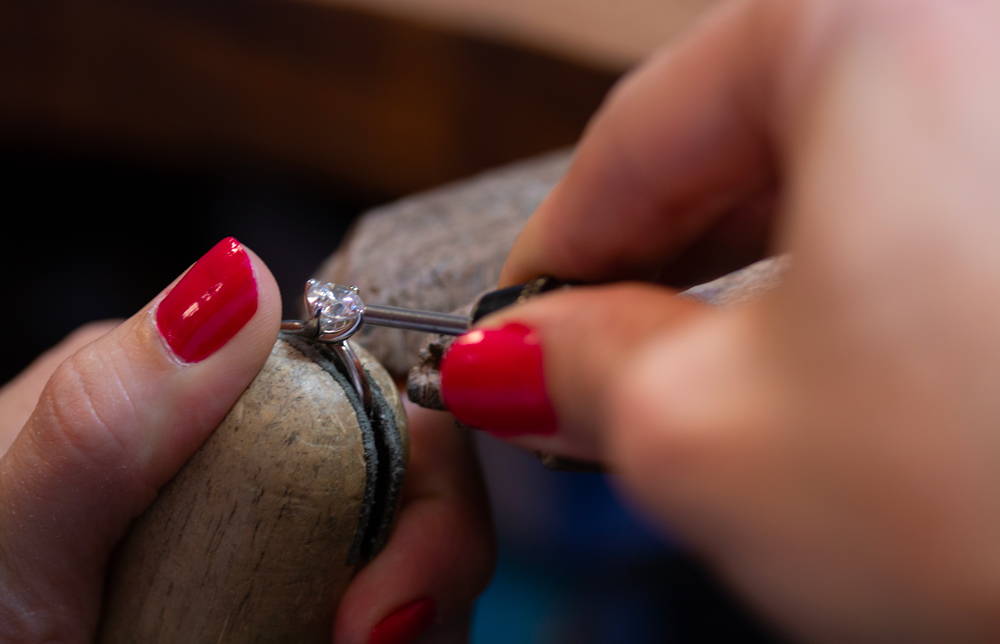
429	321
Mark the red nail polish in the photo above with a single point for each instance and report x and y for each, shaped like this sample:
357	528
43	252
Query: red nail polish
210	304
494	380
405	624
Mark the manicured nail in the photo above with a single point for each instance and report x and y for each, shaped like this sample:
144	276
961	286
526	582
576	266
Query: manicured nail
405	624
210	304
494	380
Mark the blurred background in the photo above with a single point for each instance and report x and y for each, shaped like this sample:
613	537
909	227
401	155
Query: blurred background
135	135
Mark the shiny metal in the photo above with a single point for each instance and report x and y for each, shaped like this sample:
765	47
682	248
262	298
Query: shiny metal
354	371
414	320
301	327
378	315
390	316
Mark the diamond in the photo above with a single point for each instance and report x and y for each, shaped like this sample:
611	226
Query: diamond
339	307
316	294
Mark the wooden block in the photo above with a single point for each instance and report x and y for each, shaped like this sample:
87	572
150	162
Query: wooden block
258	536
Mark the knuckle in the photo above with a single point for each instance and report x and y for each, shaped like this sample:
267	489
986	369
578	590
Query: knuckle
27	615
84	408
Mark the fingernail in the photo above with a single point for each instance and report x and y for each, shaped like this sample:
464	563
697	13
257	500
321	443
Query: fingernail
210	304
405	624
494	380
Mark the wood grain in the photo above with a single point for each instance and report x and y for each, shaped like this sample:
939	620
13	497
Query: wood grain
252	540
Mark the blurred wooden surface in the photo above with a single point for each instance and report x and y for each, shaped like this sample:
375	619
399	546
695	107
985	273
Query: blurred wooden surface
364	98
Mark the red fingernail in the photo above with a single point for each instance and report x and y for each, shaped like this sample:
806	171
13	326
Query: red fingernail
405	624
493	379
210	304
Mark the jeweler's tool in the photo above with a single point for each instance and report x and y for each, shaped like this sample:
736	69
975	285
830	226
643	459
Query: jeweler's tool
337	312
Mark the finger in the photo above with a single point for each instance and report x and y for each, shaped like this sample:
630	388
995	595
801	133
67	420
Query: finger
114	423
441	554
19	396
676	396
540	374
653	388
677	145
775	493
691	416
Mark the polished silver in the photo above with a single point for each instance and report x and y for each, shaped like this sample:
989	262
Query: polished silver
354	371
320	297
414	320
337	312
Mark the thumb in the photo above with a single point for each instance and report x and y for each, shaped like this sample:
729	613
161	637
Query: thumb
114	423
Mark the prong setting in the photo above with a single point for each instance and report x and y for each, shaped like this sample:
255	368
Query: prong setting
337	309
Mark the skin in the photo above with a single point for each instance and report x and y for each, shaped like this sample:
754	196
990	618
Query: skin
833	447
109	409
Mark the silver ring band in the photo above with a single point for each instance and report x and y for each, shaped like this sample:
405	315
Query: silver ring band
337	312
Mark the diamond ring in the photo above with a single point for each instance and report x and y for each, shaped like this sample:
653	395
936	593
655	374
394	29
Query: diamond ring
336	312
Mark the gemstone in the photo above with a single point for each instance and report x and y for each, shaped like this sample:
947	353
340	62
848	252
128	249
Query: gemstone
339	307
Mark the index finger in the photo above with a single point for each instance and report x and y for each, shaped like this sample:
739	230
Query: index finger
675	147
440	555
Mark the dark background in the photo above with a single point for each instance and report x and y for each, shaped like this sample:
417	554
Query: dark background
92	236
135	135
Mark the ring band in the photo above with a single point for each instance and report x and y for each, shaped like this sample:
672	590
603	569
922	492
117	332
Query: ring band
336	312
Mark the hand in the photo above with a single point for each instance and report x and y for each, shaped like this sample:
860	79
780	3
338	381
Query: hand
832	448
92	429
441	552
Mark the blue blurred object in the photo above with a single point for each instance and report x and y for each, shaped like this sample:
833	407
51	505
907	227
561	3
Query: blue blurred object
576	566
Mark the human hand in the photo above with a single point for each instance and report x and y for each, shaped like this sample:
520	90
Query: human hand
832	447
422	585
92	429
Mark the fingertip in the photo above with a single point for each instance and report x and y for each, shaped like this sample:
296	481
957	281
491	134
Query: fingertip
267	319
121	414
539	374
268	293
442	549
494	379
441	552
143	395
